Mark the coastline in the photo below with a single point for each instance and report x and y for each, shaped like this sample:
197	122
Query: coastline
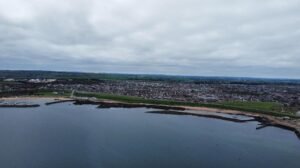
266	120
291	124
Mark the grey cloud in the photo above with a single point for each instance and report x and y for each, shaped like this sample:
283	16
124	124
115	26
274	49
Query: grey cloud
186	37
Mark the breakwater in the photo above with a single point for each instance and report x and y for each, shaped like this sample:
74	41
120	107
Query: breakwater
19	105
59	101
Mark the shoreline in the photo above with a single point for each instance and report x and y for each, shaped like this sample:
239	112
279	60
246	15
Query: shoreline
266	120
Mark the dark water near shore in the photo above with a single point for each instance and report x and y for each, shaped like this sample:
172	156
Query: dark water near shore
68	136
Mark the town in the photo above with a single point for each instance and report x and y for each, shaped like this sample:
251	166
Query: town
205	92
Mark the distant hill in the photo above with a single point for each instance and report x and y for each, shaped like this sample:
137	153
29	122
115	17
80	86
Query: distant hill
4	74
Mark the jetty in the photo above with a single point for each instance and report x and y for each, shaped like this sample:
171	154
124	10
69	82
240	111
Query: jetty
59	101
16	105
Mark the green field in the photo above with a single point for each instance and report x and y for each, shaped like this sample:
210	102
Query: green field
266	106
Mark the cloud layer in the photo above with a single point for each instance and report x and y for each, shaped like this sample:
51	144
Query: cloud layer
185	37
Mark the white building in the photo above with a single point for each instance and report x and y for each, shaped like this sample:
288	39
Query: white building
41	80
9	80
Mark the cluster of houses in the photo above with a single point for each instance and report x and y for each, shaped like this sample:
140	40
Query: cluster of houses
289	95
190	92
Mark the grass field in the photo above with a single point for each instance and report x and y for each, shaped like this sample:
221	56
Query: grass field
266	106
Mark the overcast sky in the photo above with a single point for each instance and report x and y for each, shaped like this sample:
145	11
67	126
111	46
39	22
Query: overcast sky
253	38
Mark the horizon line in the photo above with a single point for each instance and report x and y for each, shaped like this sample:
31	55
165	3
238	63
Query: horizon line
153	74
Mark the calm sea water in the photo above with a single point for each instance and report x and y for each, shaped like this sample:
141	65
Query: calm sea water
69	136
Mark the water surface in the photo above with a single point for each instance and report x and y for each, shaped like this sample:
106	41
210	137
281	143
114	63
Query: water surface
69	136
